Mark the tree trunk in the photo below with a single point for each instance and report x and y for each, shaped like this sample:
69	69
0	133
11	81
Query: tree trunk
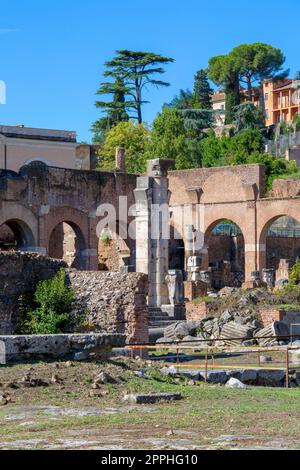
139	105
249	86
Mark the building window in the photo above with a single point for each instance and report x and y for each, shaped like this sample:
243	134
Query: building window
266	96
267	114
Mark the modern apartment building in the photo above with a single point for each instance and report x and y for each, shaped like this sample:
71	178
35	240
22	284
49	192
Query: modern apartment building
281	100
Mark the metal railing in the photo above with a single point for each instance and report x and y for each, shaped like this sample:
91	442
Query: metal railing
210	353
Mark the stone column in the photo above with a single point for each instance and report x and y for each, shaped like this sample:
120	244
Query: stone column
120	160
152	244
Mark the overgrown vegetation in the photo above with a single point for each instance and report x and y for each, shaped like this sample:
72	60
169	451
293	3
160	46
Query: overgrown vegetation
48	307
294	278
184	130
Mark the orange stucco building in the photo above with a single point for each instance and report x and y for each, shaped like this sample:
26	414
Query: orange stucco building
281	100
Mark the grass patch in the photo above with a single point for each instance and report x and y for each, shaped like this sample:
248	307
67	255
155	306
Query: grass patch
206	411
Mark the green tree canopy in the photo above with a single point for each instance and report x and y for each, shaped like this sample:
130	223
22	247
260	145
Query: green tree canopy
115	110
202	97
197	120
257	62
222	72
248	116
168	139
135	70
134	138
247	147
184	100
248	64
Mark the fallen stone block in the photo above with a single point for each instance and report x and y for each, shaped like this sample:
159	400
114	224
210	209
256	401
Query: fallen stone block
143	398
80	356
191	339
163	341
192	375
244	375
235	383
187	328
104	378
21	348
215	377
236	331
276	329
271	378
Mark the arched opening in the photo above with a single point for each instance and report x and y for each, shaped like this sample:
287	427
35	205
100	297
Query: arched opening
282	238
225	245
15	235
38	160
116	250
67	242
176	250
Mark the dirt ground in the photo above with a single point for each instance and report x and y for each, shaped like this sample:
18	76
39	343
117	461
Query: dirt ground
56	406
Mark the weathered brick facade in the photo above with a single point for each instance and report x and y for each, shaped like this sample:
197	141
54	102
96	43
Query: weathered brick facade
271	314
107	302
34	202
195	312
19	273
113	302
194	289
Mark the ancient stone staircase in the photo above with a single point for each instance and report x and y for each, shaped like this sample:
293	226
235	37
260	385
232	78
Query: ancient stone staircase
159	319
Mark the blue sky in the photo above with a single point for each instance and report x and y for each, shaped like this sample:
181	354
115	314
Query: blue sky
52	52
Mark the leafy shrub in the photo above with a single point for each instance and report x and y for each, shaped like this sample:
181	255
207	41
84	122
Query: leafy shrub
294	278
288	295
51	303
296	121
106	237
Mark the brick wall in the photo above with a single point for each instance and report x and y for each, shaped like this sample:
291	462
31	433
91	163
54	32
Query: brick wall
285	188
19	273
180	180
194	289
195	312
113	302
271	314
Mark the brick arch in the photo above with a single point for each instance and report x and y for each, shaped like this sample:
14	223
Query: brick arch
23	223
269	222
216	215
120	252
78	221
268	212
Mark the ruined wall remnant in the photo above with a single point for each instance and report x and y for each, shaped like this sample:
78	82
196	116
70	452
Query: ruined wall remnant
113	302
19	274
107	302
62	347
285	188
38	199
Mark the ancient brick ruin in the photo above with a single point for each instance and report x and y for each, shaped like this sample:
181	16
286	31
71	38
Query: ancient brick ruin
105	302
39	202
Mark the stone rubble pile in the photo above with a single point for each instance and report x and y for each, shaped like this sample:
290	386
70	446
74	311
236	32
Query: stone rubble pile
253	377
233	320
228	333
